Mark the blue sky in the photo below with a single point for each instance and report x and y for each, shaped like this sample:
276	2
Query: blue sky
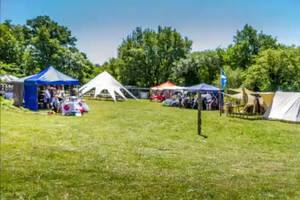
100	25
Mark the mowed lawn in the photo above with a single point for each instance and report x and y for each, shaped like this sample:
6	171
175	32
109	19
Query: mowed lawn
143	150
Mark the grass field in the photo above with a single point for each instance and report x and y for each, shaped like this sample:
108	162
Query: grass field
143	150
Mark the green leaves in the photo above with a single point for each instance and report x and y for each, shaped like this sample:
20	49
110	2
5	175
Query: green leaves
198	67
149	55
275	70
30	49
247	43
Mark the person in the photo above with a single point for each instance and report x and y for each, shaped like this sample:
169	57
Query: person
56	104
214	102
204	101
60	93
179	100
195	102
74	92
182	100
208	101
47	97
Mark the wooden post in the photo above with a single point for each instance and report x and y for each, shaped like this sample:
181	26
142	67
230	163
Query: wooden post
199	112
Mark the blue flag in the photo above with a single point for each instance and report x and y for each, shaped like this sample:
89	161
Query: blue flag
223	79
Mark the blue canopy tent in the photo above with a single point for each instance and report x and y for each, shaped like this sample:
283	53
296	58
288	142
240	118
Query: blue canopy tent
50	76
202	88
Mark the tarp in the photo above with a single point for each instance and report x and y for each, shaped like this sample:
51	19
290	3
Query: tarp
21	80
105	81
203	87
267	97
50	76
285	106
240	90
18	90
167	86
250	99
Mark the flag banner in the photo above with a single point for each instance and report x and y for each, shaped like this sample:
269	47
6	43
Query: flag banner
223	79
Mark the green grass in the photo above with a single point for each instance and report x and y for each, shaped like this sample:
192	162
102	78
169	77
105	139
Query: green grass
143	150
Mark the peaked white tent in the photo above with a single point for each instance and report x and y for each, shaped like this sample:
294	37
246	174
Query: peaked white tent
285	106
105	81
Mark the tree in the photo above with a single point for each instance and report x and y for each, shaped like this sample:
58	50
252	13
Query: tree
113	67
275	70
28	49
54	31
149	55
246	44
198	67
11	49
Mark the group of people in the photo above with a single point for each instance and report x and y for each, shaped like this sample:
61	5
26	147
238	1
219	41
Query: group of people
209	101
52	96
184	100
161	95
6	90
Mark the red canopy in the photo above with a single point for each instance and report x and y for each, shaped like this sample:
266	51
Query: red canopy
167	84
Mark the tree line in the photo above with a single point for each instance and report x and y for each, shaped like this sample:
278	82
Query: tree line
148	57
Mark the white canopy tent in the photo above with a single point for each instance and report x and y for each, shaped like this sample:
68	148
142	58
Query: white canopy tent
105	81
285	106
7	78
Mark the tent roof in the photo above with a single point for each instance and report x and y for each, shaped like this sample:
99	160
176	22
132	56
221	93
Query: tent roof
167	86
8	78
51	76
203	87
105	81
21	80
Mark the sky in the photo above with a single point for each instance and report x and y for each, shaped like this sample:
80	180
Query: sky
101	25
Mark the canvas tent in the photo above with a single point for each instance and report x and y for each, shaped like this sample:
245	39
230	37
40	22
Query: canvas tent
105	81
50	76
285	107
167	86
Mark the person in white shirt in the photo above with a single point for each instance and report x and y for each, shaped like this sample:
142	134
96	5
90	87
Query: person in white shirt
208	101
47	97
